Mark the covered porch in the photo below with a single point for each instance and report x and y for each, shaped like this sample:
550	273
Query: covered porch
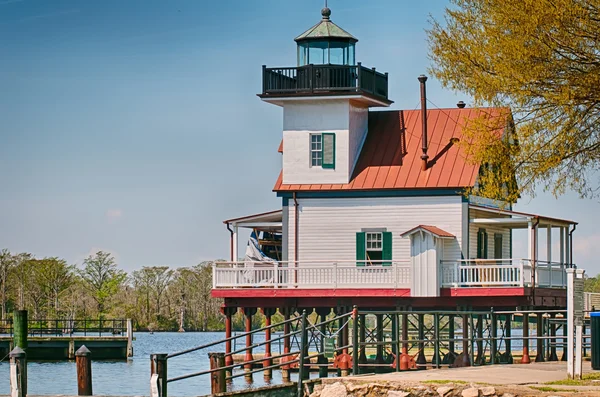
404	276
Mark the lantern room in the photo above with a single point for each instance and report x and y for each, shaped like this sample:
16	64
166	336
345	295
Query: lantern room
326	43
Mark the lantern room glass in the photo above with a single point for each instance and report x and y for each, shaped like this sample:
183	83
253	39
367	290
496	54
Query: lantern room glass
323	52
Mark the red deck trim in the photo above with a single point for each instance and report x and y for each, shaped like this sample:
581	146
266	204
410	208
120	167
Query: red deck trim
484	291
472	292
303	293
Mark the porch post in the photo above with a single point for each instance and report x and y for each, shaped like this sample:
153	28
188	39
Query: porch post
235	244
567	247
530	239
549	243
562	245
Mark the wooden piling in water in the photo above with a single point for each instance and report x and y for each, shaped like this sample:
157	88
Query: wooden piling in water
158	375
218	383
285	369
18	372
20	329
129	338
83	361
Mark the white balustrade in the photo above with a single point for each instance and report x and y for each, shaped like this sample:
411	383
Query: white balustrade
311	274
502	273
395	274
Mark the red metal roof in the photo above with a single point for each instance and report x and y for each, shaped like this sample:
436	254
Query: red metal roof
391	155
436	231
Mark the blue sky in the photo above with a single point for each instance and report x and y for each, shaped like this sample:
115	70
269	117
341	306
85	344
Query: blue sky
134	127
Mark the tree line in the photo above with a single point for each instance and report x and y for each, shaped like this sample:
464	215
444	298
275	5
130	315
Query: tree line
156	298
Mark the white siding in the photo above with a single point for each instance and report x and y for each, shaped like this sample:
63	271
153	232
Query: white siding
426	250
491	230
300	119
327	227
284	236
348	120
358	127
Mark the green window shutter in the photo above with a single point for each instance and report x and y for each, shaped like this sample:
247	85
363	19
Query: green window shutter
387	249
480	243
498	246
328	150
361	239
485	244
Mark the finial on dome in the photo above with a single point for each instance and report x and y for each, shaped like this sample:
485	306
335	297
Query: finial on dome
326	12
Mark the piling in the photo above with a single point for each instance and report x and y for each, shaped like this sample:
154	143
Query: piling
355	342
466	360
553	340
451	333
303	372
539	356
322	361
267	372
362	355
129	338
285	369
379	337
20	329
158	375
248	312
395	338
218	384
480	358
525	359
83	361
404	360
421	360
18	372
436	343
508	333
493	338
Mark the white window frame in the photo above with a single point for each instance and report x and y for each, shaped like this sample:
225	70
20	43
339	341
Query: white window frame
318	151
375	238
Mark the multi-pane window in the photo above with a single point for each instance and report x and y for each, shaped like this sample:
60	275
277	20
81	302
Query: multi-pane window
316	150
374	247
374	241
322	150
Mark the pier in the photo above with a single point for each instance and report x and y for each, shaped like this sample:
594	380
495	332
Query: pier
55	339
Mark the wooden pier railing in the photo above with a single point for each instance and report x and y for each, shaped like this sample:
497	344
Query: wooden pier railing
69	327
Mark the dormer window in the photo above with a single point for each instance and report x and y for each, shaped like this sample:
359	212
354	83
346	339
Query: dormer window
322	150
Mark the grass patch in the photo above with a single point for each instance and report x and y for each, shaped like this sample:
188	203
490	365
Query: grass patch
551	389
586	381
445	382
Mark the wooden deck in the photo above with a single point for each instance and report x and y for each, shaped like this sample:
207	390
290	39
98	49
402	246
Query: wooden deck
64	348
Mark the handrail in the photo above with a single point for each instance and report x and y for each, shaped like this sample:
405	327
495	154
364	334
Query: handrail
195	374
193	349
324	78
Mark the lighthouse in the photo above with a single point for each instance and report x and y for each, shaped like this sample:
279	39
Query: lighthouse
325	99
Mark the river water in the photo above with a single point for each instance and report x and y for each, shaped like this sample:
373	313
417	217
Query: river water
132	377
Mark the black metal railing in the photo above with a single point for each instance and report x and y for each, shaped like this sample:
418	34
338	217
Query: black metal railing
325	78
383	341
298	358
67	327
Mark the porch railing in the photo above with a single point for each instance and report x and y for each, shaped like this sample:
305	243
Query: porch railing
312	274
503	272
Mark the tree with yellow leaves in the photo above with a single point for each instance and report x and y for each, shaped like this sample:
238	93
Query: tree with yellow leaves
541	59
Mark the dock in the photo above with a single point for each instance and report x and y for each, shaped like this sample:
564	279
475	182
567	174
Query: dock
57	340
